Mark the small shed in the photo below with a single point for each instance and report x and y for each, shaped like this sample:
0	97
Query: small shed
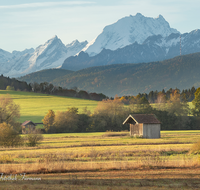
145	125
28	126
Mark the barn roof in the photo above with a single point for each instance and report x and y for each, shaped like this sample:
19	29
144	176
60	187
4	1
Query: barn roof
142	118
28	122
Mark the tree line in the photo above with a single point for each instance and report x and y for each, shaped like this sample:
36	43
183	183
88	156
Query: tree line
47	88
186	95
6	82
110	114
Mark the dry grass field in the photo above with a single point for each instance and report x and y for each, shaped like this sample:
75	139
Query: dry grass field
110	160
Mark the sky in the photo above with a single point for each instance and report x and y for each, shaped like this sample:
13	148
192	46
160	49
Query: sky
30	23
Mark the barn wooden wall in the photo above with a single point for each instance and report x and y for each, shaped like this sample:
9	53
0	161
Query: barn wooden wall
136	129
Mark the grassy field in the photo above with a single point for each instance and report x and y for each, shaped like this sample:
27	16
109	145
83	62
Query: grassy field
34	106
110	160
107	160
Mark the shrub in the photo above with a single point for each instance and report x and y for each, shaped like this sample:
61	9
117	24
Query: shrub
9	136
195	149
33	138
10	88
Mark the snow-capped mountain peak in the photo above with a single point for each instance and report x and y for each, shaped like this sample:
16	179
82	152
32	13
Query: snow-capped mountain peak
127	31
49	55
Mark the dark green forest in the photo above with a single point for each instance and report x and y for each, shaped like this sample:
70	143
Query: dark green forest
15	84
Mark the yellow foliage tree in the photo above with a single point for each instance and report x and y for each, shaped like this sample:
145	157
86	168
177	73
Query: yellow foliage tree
48	120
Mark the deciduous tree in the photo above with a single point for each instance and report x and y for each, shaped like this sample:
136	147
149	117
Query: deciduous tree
48	120
9	112
196	103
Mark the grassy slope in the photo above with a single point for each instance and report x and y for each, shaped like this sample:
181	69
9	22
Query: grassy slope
34	106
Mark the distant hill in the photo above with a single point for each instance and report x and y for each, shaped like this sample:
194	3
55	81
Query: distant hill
130	79
47	75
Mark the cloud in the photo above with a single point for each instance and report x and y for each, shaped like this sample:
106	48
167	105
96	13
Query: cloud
46	4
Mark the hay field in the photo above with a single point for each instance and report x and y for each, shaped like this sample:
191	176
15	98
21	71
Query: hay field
34	106
110	160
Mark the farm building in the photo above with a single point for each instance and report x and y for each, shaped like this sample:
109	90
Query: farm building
145	125
28	126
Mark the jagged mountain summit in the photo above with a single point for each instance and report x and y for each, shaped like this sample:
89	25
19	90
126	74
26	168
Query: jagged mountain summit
154	48
129	30
49	55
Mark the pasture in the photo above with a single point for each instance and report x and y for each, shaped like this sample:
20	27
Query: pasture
34	106
106	160
109	160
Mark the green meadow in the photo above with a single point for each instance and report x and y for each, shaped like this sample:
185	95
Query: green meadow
34	106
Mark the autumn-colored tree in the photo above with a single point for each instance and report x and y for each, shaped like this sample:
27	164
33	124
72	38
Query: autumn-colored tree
9	112
48	120
175	106
67	121
109	115
9	136
161	101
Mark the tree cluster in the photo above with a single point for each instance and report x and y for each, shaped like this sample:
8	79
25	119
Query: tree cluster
10	127
66	121
13	84
160	97
110	114
48	88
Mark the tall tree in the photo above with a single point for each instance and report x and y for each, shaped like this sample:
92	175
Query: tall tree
196	103
9	112
48	120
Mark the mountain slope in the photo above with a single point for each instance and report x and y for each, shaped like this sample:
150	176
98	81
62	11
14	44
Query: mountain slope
129	30
47	75
130	79
154	48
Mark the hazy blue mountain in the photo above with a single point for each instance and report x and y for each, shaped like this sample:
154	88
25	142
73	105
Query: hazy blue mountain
154	48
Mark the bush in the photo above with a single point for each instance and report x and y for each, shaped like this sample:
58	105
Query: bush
33	138
195	149
9	136
10	88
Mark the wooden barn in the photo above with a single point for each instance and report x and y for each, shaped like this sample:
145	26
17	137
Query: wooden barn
145	125
28	126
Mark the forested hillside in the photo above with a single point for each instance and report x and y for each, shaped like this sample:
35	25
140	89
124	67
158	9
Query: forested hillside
6	82
47	75
181	72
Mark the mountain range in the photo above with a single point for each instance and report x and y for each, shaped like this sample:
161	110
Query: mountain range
129	30
52	54
127	79
135	54
154	48
49	55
